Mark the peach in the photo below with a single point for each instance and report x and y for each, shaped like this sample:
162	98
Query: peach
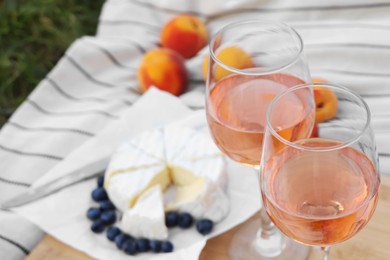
185	34
326	102
334	230
232	56
315	131
164	69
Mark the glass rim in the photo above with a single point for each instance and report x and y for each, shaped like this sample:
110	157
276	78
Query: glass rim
318	149
254	21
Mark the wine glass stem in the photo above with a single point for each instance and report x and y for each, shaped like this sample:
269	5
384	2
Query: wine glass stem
267	227
325	250
269	241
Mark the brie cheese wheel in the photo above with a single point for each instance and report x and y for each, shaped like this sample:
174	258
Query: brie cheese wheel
174	155
147	217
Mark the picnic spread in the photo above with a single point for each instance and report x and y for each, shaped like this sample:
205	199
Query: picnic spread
100	94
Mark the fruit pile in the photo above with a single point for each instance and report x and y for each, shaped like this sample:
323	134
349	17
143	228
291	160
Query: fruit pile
181	38
105	216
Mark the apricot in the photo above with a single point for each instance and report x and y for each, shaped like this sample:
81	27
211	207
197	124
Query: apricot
164	69
334	230
315	132
326	102
232	56
185	34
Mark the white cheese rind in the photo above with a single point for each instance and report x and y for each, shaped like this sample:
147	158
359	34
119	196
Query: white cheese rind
128	157
147	217
210	167
176	140
199	145
152	143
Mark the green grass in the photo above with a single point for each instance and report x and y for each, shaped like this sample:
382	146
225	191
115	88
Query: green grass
34	34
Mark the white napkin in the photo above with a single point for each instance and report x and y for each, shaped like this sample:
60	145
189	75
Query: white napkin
154	109
63	214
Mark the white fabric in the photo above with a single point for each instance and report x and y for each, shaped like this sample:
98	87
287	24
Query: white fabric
347	42
62	214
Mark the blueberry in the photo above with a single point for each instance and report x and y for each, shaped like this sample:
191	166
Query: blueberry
130	247
106	205
166	246
204	226
142	244
108	217
155	245
93	213
171	219
99	194
113	232
121	239
97	226
185	220
100	181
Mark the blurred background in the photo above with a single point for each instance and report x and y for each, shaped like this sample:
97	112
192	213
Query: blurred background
34	34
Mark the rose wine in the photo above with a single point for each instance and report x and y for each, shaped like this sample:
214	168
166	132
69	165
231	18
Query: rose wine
236	111
320	198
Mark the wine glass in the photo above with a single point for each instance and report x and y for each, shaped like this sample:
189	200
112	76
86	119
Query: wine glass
250	63
320	191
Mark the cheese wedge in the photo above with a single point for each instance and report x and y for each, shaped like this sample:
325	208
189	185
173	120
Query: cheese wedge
147	217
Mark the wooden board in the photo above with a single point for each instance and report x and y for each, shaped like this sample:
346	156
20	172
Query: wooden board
372	243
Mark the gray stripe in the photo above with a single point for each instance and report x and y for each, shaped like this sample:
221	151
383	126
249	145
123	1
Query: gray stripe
357	25
347	45
81	99
164	9
265	10
128	22
75	113
22	248
355	73
301	9
112	57
48	156
50	129
89	76
68	96
17	183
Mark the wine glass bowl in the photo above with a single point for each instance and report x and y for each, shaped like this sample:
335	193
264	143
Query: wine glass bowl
239	91
321	191
250	63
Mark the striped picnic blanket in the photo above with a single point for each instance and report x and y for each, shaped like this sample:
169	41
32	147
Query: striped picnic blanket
94	83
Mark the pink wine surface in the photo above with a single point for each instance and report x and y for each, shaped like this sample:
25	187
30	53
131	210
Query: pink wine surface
236	110
320	198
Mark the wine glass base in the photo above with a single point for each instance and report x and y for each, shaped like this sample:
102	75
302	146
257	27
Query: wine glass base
244	245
